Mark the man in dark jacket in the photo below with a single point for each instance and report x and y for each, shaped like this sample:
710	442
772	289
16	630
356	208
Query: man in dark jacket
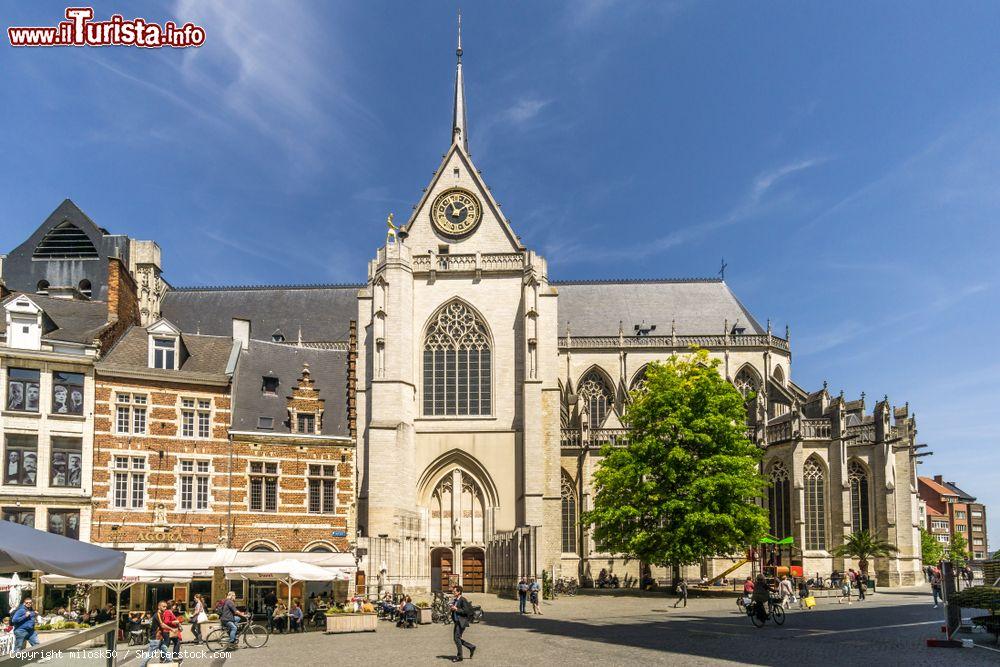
270	602
461	614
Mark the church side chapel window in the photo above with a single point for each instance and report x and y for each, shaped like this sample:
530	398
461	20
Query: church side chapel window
746	381
263	486
569	522
457	363
779	501
815	489
858	478
596	397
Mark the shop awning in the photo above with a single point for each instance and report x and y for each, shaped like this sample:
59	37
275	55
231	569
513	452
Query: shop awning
195	561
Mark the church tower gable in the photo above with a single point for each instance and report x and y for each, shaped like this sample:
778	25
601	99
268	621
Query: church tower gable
457	213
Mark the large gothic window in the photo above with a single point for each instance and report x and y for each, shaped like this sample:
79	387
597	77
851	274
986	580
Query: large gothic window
569	521
457	363
596	398
815	490
458	510
779	501
747	381
860	510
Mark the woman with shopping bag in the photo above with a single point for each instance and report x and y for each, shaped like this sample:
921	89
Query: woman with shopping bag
198	616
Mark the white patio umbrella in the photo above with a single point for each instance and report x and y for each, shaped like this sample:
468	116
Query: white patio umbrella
130	577
289	572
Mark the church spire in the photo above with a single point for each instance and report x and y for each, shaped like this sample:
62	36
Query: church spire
458	120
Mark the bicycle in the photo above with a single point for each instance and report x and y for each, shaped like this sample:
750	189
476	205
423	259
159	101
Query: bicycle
254	636
774	612
440	613
566	586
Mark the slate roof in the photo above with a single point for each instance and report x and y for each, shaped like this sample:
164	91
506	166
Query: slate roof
328	369
67	320
323	312
594	308
205	355
961	494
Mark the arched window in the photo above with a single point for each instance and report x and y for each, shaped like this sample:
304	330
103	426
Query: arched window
596	397
86	289
779	501
458	510
778	375
860	509
569	521
815	490
457	363
747	381
639	381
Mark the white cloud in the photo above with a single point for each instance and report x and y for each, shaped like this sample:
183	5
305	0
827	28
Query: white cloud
525	109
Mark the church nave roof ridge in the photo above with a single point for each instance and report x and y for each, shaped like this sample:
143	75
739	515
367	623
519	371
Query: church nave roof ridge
265	286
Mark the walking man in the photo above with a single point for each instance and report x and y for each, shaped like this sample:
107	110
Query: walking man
534	592
522	595
461	614
682	593
936	586
23	622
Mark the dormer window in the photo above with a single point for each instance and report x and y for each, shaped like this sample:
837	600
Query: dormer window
165	353
269	386
306	423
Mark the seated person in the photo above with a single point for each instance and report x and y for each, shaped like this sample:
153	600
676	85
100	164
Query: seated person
367	607
614	581
280	617
602	578
407	613
295	618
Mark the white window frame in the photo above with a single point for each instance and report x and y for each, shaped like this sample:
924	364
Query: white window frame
154	349
131	472
127	400
198	409
196	475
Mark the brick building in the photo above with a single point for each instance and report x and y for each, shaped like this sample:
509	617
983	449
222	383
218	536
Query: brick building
951	511
184	483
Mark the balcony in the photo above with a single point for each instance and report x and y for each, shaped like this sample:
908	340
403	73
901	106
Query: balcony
594	438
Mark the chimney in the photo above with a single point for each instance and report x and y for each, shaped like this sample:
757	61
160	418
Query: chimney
241	332
939	479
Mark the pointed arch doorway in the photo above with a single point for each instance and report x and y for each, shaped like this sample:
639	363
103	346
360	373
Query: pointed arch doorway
460	500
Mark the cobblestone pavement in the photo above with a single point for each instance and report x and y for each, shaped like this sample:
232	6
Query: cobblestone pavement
887	629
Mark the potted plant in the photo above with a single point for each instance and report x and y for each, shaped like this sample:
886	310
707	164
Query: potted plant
340	620
425	615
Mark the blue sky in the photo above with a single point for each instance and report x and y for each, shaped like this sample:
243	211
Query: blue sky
844	159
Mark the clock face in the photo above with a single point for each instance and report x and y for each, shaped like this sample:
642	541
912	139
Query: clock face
456	212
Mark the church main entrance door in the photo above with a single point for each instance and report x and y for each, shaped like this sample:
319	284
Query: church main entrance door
441	569
473	568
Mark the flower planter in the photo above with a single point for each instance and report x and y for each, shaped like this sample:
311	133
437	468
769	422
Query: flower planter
341	623
425	616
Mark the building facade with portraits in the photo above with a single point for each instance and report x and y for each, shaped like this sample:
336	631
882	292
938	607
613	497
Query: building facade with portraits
480	389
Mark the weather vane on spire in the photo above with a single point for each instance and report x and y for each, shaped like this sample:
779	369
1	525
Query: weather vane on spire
458	51
722	269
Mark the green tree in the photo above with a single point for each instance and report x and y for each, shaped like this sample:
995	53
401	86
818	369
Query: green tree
864	546
931	551
684	487
958	550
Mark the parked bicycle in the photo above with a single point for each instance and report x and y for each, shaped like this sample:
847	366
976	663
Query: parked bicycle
440	612
774	612
254	635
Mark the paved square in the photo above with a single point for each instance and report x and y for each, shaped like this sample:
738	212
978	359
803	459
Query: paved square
888	629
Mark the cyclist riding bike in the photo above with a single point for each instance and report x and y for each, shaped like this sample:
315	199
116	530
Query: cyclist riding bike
760	597
227	618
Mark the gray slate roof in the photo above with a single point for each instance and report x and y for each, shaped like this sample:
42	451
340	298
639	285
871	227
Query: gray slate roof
67	319
205	354
323	312
962	495
329	373
594	308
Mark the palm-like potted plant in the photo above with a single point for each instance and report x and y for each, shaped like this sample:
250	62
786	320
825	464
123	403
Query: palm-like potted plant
864	546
